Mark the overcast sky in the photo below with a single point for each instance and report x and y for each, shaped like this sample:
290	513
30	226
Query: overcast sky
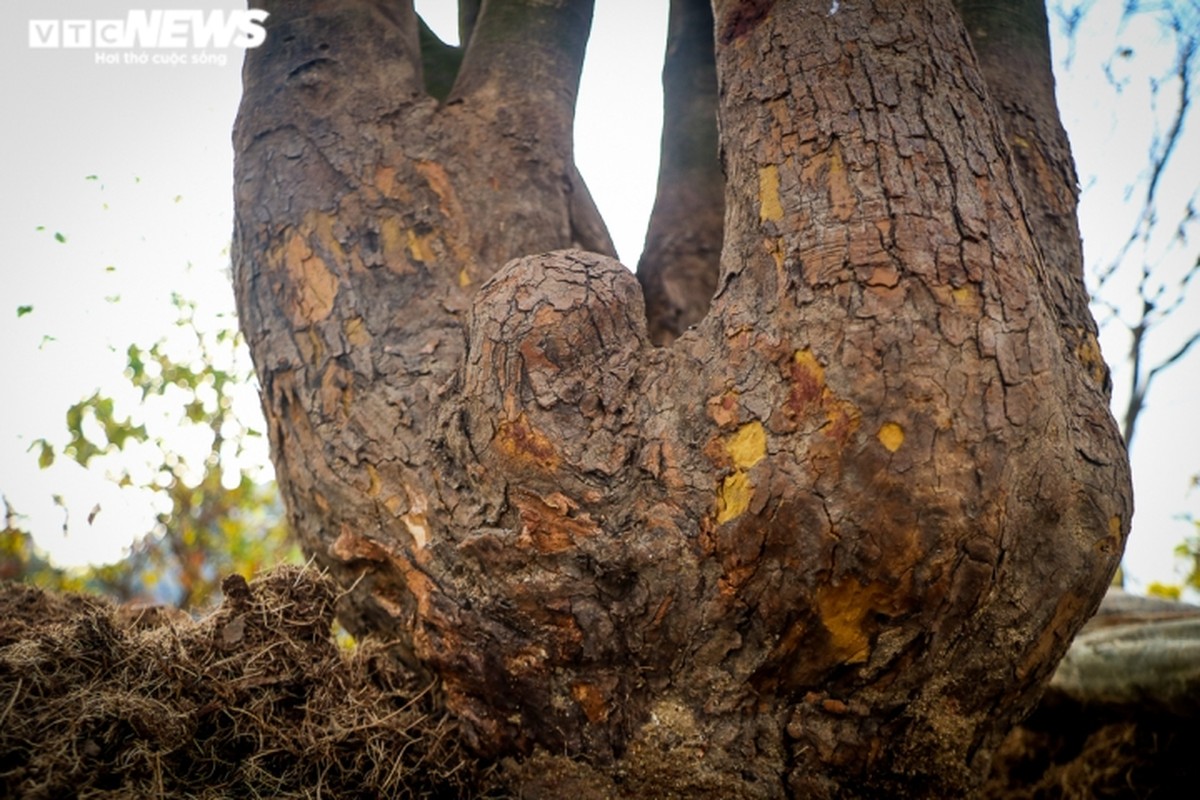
157	216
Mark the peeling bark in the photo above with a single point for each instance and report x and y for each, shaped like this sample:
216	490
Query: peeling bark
840	532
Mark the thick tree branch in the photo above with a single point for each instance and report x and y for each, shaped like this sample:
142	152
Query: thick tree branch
526	56
1012	41
679	265
305	47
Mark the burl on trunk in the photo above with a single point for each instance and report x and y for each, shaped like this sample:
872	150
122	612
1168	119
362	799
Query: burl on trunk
837	534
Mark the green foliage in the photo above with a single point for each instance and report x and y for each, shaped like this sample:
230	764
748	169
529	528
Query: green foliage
1164	590
221	517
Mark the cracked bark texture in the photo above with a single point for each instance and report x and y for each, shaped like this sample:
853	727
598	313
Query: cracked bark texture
830	542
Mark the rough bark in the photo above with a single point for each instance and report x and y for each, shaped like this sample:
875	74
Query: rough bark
834	539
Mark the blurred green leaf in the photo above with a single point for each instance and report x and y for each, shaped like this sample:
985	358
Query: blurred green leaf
23	310
45	452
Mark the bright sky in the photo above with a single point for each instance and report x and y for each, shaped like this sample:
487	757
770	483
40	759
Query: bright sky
157	219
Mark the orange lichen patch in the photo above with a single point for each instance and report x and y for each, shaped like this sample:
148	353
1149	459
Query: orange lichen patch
774	248
311	347
809	394
520	441
547	524
1110	544
435	174
891	436
1055	635
841	195
393	504
886	276
844	609
723	408
734	496
385	180
770	208
350	546
356	332
841	419
592	700
808	379
336	390
1088	352
314	286
884	226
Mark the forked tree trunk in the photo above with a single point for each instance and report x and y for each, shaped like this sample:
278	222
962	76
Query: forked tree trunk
834	538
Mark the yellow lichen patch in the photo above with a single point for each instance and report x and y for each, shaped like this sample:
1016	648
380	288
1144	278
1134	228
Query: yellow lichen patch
966	297
748	445
843	609
464	278
419	246
551	524
770	208
891	436
805	360
520	441
1088	352
356	332
314	285
435	174
393	243
374	484
734	497
1114	526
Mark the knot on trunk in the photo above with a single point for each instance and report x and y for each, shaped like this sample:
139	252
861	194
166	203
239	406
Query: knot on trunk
552	367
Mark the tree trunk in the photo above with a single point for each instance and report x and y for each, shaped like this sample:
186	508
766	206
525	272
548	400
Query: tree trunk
681	259
830	542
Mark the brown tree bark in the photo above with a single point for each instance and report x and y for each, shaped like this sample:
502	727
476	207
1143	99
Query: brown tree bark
830	542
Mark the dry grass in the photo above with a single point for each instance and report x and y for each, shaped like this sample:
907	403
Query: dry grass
255	700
